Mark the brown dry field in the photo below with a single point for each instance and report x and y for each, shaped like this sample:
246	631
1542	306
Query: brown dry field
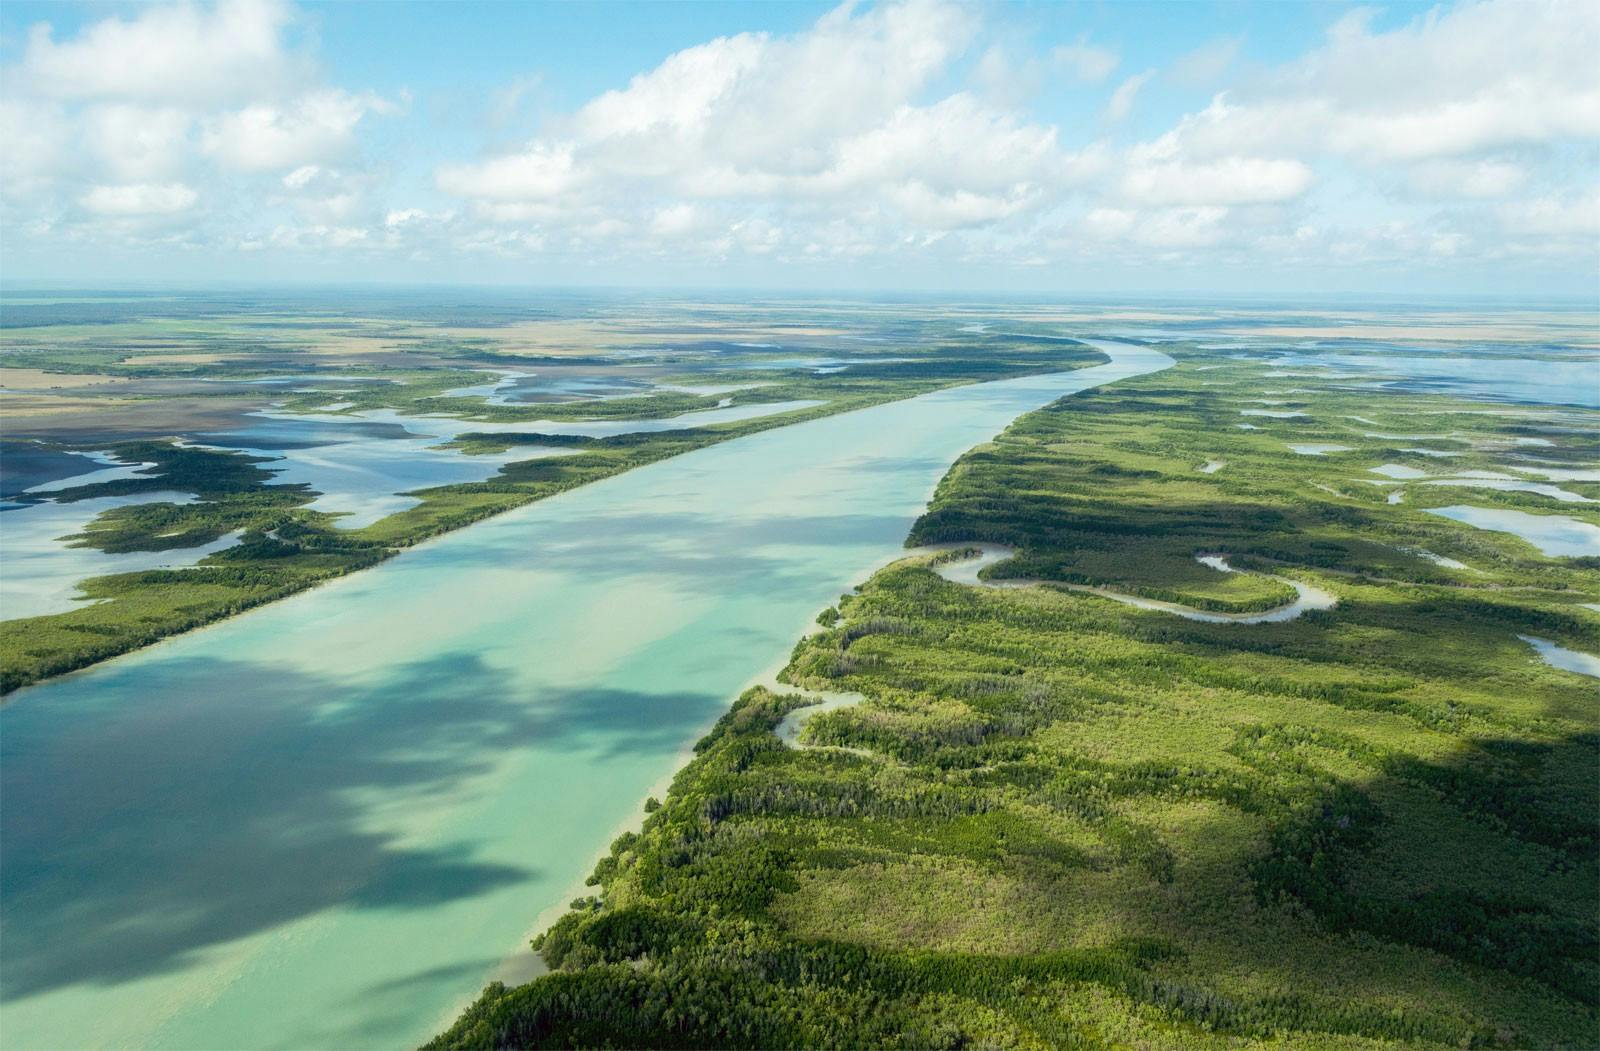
37	379
89	419
182	359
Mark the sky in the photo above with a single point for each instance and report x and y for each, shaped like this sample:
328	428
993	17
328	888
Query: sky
1127	147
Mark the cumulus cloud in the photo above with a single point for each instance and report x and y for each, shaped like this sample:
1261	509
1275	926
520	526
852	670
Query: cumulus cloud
915	130
1563	215
136	142
1226	180
1463	104
37	145
1479	76
831	121
316	126
181	53
160	112
139	199
543	170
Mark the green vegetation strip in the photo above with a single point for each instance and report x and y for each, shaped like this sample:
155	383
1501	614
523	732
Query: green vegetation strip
1078	824
286	547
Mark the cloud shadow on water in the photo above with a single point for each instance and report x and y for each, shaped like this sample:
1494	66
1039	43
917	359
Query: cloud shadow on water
176	805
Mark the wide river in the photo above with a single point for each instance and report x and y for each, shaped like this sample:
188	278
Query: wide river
325	824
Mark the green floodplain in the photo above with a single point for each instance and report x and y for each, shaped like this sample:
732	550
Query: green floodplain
1058	821
1054	819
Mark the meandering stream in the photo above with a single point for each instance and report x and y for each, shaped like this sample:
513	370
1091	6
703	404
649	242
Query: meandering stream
327	822
1307	598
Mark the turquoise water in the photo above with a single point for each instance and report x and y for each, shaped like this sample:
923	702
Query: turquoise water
363	465
328	822
364	471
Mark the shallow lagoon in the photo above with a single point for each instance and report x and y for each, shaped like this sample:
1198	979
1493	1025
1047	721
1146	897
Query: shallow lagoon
364	463
39	574
1563	658
374	794
1568	381
1557	535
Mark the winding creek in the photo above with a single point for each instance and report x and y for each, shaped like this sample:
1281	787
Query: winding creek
980	556
326	823
1307	598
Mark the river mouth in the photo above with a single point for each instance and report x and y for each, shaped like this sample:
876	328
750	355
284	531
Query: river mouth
378	784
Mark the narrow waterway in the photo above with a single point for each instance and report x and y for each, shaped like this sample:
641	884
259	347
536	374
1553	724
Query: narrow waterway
328	822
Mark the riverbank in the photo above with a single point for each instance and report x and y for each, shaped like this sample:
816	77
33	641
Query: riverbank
1072	822
379	785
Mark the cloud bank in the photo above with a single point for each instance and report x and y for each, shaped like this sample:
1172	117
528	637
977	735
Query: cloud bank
906	133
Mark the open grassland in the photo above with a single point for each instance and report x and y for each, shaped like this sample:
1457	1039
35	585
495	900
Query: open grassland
1058	821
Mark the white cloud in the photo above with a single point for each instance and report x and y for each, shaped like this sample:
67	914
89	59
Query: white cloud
1122	99
853	160
832	118
175	53
678	96
1227	180
315	127
675	220
931	209
1207	62
543	170
301	177
36	144
139	199
328	197
118	132
318	237
907	131
1479	76
135	142
1567	215
405	216
1469	102
1449	178
956	143
1083	60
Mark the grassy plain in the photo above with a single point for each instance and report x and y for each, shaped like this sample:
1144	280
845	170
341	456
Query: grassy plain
1058	821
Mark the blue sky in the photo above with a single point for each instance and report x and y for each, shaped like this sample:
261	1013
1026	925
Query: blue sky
1066	147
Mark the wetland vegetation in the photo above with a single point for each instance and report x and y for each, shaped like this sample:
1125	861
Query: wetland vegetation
166	384
1058	821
